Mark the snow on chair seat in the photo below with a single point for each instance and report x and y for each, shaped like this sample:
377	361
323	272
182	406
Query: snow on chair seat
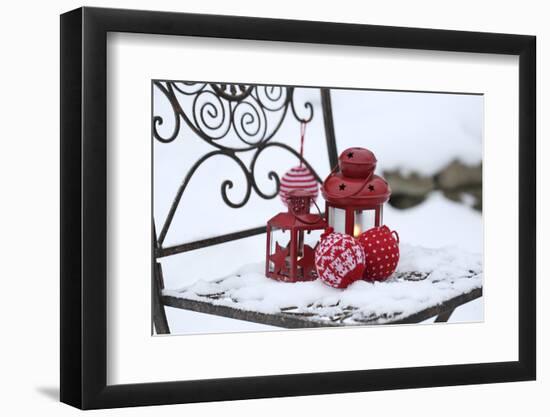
427	283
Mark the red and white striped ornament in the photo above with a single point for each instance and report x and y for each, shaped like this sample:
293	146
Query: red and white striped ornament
298	178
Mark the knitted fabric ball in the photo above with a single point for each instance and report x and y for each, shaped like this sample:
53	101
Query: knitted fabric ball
339	260
381	247
298	178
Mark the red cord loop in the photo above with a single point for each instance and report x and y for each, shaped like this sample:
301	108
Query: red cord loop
303	126
395	235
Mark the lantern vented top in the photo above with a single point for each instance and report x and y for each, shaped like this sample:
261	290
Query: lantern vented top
299	201
355	184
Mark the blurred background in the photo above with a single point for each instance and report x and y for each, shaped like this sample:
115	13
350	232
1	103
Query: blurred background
429	148
424	141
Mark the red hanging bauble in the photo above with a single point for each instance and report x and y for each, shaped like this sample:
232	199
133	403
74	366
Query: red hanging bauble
339	259
381	247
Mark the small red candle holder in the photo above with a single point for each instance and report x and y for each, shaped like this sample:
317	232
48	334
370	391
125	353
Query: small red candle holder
288	257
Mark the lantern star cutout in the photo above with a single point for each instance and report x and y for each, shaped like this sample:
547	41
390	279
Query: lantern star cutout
307	262
342	187
371	187
279	259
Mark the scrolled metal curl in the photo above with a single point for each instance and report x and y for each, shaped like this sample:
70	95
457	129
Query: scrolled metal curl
159	120
249	122
210	114
189	89
272	97
308	106
228	184
216	112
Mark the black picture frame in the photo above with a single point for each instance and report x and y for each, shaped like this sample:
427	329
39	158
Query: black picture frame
84	207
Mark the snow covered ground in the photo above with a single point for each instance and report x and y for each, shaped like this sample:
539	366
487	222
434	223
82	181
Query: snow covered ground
407	131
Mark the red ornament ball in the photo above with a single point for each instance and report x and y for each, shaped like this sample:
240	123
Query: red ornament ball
381	247
339	259
298	178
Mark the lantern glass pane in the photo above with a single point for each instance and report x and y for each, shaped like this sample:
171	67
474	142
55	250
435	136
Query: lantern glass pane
299	252
300	242
337	219
364	220
278	237
307	242
312	237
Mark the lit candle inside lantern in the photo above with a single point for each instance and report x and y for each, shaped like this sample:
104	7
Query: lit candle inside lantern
356	230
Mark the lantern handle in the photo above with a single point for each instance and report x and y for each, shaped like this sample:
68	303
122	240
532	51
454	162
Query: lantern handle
353	194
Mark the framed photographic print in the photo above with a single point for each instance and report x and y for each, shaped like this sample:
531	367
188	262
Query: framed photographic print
258	208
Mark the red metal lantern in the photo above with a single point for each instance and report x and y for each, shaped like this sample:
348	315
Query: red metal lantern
354	195
288	257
